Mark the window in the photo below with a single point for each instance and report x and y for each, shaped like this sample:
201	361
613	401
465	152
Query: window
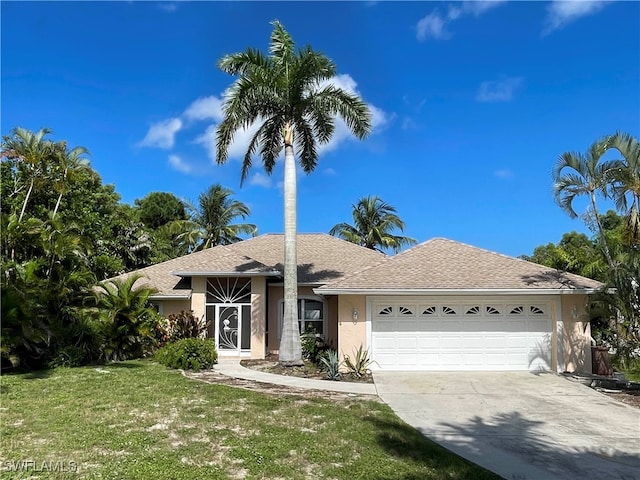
475	310
405	311
386	310
430	310
448	310
491	310
311	315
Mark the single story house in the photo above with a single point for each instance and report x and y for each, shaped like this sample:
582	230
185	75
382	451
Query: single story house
441	305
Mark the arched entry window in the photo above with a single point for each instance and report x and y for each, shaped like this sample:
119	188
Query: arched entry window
312	314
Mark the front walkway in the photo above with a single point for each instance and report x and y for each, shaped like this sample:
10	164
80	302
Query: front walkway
230	367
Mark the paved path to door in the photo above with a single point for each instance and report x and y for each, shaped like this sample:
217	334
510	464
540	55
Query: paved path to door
522	426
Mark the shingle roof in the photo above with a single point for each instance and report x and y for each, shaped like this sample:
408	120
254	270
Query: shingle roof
321	258
441	264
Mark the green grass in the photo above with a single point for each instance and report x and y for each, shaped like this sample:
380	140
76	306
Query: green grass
139	420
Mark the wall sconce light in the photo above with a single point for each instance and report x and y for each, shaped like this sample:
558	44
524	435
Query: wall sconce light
354	314
574	312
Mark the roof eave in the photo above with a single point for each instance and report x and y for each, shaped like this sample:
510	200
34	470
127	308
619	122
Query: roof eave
200	273
170	297
455	291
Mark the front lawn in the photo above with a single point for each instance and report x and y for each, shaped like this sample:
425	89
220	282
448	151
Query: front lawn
138	420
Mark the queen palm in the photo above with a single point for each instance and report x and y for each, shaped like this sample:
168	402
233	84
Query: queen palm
290	96
577	174
32	153
625	182
69	161
373	223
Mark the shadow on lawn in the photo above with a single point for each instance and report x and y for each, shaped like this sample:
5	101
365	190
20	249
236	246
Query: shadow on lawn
519	436
403	441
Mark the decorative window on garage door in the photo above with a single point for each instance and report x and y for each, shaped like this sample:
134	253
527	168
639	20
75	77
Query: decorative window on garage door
387	310
428	310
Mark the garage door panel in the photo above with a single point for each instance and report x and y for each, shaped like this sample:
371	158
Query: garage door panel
461	336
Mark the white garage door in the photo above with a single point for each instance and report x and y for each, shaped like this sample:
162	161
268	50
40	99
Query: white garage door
460	334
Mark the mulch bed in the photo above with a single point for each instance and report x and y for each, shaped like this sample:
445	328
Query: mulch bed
309	370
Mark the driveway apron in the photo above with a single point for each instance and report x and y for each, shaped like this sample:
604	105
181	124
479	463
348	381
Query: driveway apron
520	425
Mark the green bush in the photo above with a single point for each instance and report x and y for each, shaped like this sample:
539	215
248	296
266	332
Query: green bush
189	354
69	356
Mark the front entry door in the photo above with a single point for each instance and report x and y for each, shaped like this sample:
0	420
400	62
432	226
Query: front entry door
232	328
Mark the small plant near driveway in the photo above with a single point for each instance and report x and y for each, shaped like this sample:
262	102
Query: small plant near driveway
358	366
331	364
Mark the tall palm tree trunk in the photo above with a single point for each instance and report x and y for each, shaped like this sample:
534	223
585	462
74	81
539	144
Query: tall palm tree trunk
26	200
603	239
290	348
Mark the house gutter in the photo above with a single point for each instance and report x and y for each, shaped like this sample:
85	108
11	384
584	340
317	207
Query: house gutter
200	273
170	297
451	291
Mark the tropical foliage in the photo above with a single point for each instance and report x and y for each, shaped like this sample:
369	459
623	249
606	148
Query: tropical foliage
613	255
211	222
289	95
374	220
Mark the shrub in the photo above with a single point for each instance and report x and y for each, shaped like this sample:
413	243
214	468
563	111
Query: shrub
360	364
70	356
189	354
186	325
331	364
313	346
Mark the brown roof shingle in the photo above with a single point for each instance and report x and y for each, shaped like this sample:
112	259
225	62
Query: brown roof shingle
441	264
321	259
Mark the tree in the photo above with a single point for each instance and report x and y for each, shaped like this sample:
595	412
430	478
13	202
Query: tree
211	222
290	95
625	182
31	152
577	174
373	223
159	208
69	162
126	316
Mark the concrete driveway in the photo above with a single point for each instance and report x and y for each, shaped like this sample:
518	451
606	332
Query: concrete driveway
522	426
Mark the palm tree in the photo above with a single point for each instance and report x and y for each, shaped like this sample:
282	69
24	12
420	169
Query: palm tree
69	162
32	152
290	95
211	222
625	182
373	222
125	313
577	174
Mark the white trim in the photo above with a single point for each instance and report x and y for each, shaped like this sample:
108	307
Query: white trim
169	297
559	338
202	273
450	291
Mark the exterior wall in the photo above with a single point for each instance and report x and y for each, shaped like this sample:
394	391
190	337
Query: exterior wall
576	334
351	333
258	318
168	307
275	295
198	296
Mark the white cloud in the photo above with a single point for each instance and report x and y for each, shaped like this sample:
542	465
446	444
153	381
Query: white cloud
432	26
504	173
168	7
498	90
205	108
178	164
261	180
561	13
238	147
435	24
329	171
162	134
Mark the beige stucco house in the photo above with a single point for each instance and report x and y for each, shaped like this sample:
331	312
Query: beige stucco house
441	305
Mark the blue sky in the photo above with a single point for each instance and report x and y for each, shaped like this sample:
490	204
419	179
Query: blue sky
472	102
